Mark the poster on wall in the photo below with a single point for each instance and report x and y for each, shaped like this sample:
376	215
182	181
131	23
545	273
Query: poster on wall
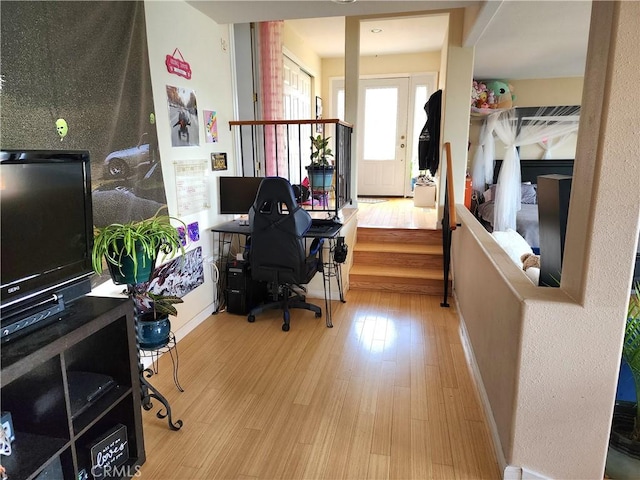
48	105
192	193
178	276
183	117
210	126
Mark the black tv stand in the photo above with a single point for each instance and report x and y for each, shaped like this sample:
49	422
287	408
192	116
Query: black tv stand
98	336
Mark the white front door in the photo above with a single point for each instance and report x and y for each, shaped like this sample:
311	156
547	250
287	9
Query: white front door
382	138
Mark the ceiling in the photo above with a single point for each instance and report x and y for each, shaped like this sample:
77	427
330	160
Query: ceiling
513	39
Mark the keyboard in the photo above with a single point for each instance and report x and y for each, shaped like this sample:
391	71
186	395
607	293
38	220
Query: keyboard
317	222
320	228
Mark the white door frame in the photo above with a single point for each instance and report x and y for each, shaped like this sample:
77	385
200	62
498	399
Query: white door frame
430	79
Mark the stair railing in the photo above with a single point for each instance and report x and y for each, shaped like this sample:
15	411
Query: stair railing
449	222
283	148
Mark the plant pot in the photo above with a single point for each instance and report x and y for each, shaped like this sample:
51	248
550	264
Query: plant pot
152	332
623	418
320	178
125	273
623	457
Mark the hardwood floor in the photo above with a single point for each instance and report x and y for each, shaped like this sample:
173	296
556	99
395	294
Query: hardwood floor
396	213
385	394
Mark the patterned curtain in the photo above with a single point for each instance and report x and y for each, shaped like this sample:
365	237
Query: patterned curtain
271	79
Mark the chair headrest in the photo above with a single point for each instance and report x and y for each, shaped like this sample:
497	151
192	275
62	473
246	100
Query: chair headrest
277	191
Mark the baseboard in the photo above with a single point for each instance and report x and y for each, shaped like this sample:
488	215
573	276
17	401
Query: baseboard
512	473
318	294
484	400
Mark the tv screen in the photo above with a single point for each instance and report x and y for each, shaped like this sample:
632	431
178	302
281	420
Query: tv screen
237	194
47	225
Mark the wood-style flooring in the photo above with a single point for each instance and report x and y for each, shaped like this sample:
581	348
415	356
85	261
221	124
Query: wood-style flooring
396	213
385	394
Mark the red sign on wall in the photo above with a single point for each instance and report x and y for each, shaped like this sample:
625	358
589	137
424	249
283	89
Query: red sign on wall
178	66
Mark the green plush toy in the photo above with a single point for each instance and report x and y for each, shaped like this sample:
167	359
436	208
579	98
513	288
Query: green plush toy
502	94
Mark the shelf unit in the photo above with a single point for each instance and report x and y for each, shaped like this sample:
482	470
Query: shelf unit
96	335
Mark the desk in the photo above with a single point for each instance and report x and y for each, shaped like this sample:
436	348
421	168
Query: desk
330	268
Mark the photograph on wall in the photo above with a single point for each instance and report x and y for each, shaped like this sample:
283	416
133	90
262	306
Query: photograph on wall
183	117
179	276
210	126
219	161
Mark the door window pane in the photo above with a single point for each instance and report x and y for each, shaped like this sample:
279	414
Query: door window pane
380	120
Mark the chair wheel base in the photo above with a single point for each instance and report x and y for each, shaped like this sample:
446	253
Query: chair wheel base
318	314
285	327
251	318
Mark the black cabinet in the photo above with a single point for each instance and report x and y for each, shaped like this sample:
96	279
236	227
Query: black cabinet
554	192
53	438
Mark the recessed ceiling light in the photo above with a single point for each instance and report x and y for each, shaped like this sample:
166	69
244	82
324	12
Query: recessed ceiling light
343	1
376	30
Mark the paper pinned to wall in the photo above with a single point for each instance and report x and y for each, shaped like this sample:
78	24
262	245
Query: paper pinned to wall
191	186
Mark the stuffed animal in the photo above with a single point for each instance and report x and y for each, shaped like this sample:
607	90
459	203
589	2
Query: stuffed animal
502	91
530	260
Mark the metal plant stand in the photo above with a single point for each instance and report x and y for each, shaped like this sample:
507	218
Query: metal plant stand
154	355
149	392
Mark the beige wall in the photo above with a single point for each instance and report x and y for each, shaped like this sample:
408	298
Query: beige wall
537	93
547	91
486	286
213	86
380	65
455	103
304	56
565	343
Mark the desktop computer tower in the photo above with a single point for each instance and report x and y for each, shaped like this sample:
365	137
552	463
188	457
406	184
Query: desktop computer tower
242	292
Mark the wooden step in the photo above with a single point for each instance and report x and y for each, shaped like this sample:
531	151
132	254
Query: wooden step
398	279
398	259
400	254
400	235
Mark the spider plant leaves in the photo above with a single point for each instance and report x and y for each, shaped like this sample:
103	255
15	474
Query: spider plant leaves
136	240
631	350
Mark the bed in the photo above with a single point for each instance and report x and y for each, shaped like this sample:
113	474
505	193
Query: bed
527	217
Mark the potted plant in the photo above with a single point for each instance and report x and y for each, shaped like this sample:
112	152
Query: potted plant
130	249
625	429
321	168
152	314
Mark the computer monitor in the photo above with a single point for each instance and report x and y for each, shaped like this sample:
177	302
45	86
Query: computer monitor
237	194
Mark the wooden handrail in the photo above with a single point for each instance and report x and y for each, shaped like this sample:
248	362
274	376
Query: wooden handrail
289	122
450	188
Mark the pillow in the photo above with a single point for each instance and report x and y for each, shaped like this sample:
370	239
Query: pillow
534	275
512	243
490	193
528	194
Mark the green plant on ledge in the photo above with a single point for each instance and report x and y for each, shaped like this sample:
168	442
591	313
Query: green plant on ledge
136	243
320	152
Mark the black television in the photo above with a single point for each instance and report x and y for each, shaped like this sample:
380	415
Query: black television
237	194
46	235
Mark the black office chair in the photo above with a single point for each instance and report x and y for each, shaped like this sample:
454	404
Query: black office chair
277	252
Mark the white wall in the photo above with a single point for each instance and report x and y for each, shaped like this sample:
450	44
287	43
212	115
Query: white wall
172	25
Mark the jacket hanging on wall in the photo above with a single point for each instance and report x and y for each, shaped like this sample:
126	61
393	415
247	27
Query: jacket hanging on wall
429	140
